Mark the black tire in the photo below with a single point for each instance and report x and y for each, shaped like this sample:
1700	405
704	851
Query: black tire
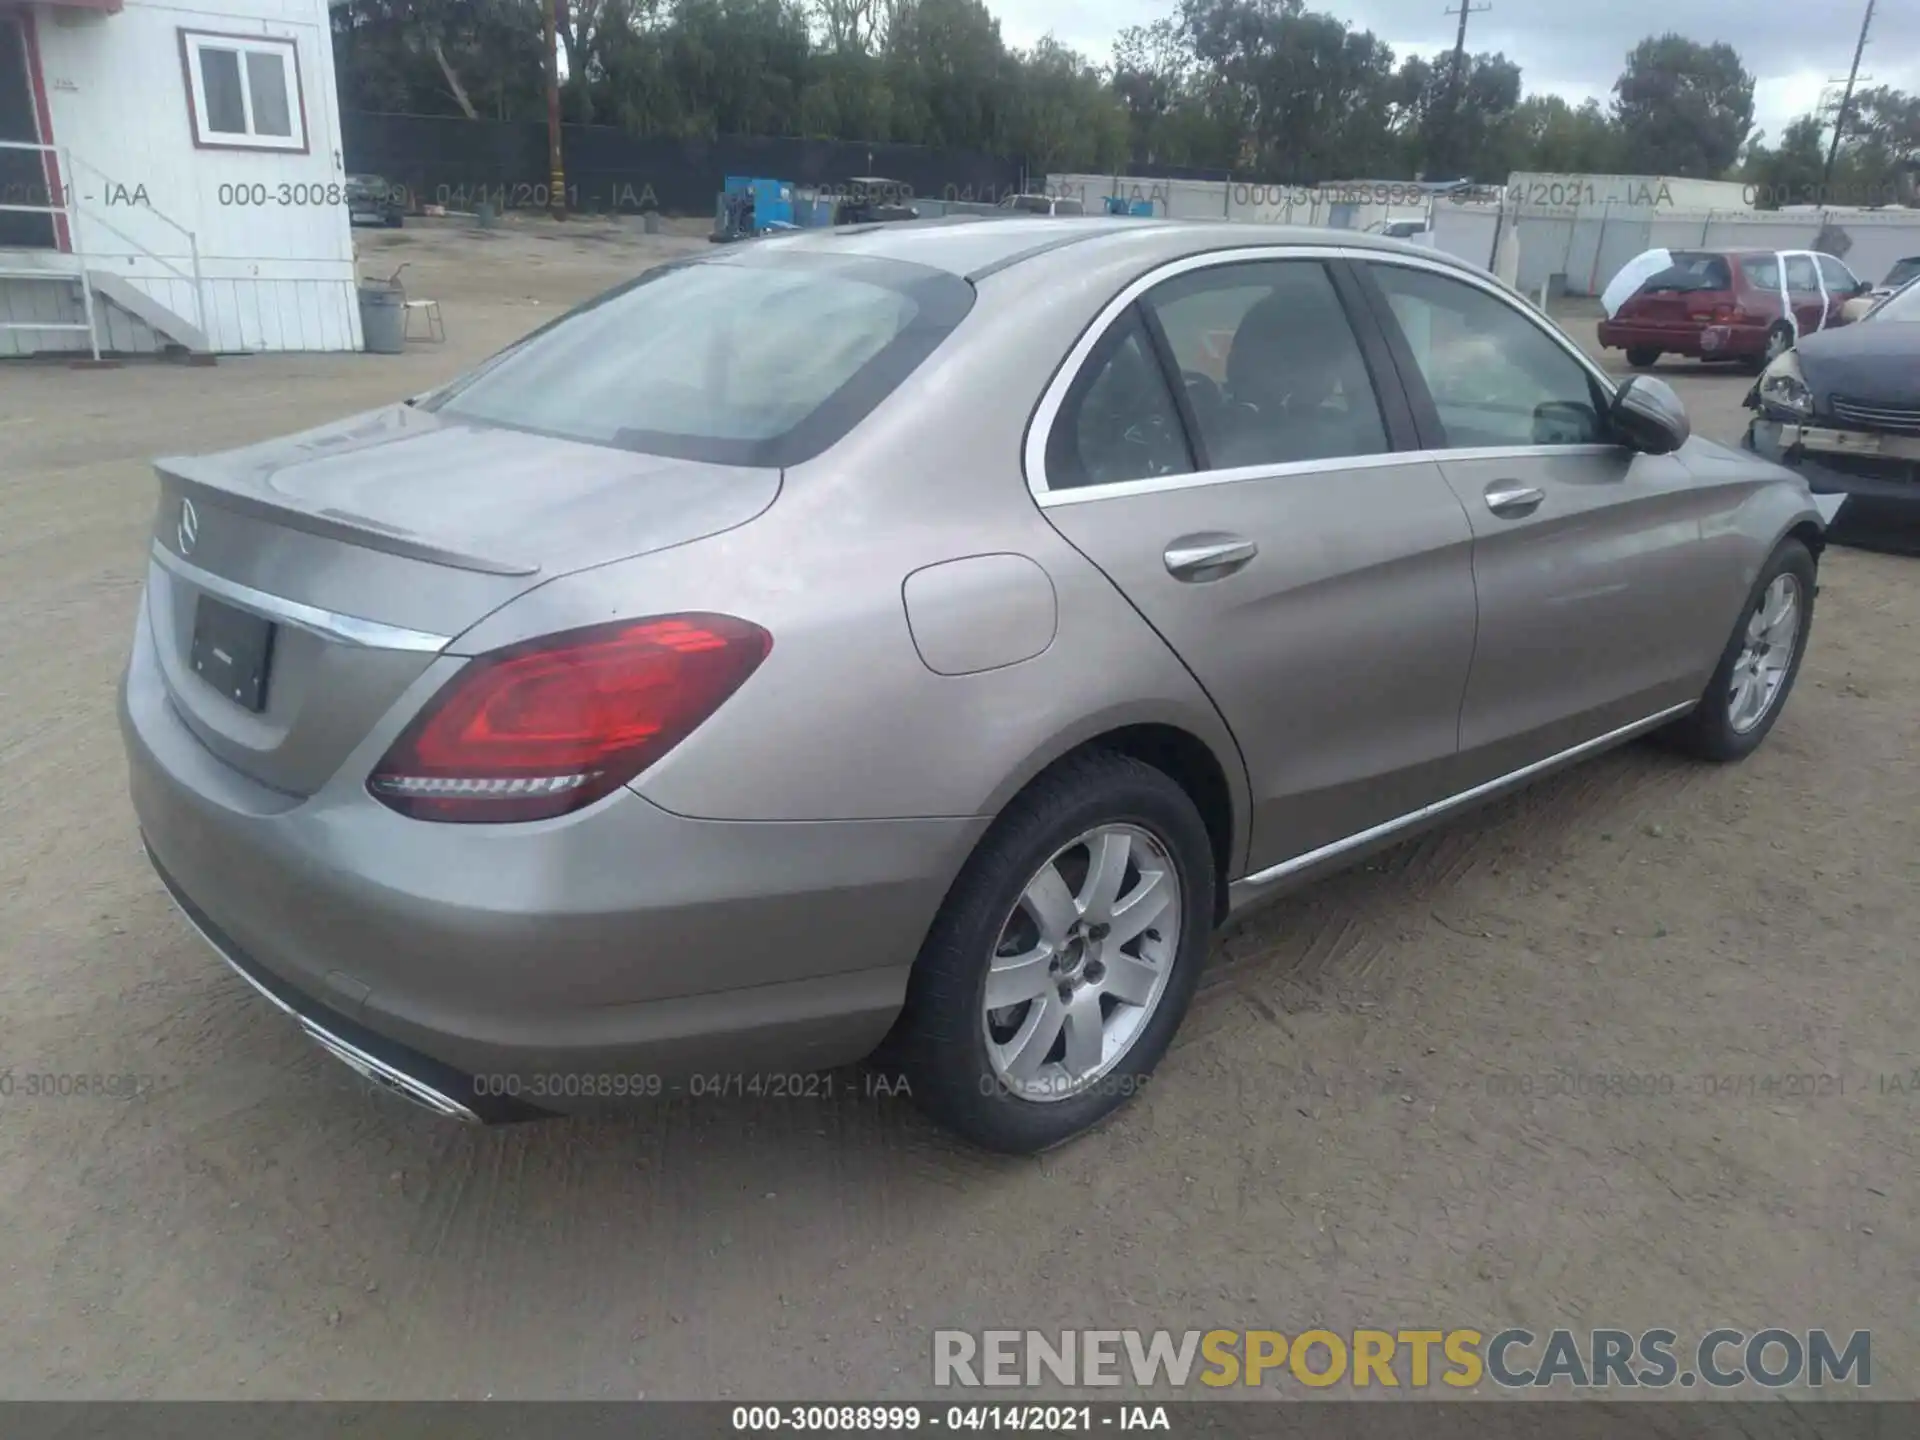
1641	358
1707	732
939	1043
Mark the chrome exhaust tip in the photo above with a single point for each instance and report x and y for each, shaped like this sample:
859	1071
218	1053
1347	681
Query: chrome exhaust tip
385	1077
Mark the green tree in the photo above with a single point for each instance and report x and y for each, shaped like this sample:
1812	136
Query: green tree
1683	108
1546	134
438	57
1304	96
1063	115
1449	135
1790	172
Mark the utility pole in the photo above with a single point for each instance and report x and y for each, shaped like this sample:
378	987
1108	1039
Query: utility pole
1455	86
1846	102
556	172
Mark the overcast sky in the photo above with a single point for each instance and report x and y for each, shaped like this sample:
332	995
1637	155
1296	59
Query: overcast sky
1575	48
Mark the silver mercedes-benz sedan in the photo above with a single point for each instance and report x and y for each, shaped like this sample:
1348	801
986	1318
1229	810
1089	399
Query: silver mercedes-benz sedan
916	634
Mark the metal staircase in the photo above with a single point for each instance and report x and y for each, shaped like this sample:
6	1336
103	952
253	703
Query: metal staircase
77	266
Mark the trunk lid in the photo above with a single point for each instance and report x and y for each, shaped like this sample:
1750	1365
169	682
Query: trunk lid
373	543
1688	292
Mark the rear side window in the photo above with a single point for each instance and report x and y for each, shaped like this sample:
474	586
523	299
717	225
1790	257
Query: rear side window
1691	270
1119	421
1802	278
1762	271
1272	371
760	360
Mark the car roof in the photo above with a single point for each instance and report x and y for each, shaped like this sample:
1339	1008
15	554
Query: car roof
975	246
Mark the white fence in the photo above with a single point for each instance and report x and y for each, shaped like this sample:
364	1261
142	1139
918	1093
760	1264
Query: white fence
1352	206
1573	250
1578	253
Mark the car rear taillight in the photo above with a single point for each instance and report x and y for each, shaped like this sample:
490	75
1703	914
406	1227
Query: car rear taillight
548	727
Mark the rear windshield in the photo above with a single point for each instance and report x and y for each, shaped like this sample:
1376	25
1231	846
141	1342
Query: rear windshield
1763	272
1690	271
759	358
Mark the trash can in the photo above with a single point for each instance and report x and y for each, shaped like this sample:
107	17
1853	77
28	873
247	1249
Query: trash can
383	319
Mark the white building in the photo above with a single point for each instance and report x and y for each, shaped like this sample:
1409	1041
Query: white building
185	161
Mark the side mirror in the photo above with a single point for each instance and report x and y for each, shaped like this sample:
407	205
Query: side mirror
1565	422
1648	415
1863	287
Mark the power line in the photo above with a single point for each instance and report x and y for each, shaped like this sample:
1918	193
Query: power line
1846	100
1456	76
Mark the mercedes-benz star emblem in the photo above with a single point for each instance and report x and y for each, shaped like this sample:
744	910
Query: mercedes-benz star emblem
189	532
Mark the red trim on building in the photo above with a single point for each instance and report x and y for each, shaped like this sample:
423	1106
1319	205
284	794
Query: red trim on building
110	7
43	117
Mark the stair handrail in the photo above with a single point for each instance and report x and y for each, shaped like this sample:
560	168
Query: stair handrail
193	242
74	213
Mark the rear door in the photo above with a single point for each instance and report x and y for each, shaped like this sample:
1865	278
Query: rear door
1805	293
1234	453
1596	602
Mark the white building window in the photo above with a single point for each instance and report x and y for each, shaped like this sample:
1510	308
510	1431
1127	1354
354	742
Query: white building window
245	91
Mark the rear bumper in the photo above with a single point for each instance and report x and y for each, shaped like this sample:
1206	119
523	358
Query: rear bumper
558	964
1703	342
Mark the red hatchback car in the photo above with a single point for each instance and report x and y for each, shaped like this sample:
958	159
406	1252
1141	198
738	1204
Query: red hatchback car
1744	305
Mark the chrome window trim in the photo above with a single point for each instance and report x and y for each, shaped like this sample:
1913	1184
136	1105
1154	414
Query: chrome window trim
1053	399
1248	888
328	624
1119	489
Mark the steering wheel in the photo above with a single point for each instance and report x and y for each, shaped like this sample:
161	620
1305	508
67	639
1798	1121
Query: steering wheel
1203	391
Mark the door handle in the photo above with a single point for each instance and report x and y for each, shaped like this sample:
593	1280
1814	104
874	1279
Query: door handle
1510	500
1197	558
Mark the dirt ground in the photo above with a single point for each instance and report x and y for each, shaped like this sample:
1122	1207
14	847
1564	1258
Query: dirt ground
1336	1138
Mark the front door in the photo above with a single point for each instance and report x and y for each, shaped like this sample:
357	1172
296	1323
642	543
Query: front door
1595	610
22	172
1227	455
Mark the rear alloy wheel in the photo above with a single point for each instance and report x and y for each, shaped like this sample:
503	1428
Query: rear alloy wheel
1064	958
1756	672
1643	359
1082	963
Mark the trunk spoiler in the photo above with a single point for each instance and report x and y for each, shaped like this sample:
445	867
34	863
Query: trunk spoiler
227	490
